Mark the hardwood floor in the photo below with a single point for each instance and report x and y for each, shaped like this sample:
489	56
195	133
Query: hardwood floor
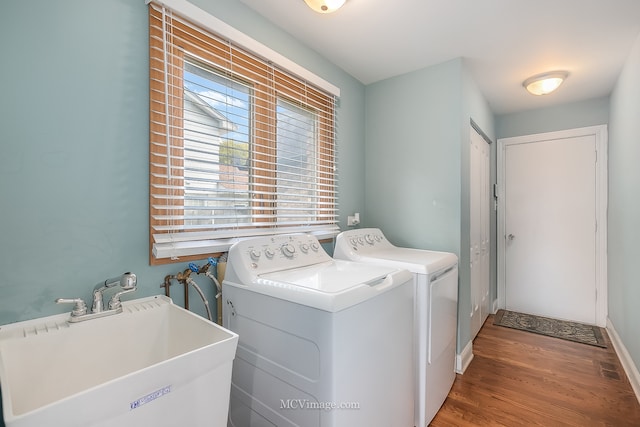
519	378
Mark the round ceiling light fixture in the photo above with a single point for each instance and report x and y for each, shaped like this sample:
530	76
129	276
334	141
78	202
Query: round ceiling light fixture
325	6
545	83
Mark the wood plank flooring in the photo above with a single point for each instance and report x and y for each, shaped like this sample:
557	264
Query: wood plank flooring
519	378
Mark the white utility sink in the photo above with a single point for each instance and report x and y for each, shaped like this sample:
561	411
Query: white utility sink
154	364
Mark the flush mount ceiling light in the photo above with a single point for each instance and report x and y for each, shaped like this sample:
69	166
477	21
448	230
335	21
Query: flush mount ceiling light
325	6
545	83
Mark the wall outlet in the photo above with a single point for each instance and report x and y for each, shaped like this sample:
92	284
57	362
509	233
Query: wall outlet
353	220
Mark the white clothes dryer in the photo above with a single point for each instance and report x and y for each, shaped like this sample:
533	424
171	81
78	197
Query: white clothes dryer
322	342
436	309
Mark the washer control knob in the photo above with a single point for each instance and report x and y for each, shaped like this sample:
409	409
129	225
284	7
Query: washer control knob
304	248
353	241
288	250
255	254
369	239
269	253
361	240
315	246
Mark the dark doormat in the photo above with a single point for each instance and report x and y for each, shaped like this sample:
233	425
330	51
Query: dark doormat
571	331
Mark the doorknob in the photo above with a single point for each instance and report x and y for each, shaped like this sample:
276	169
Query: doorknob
511	236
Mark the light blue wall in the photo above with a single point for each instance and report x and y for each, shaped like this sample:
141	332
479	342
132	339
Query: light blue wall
412	185
624	205
74	133
568	116
417	160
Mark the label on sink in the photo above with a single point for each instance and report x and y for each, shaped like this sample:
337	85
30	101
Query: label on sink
150	397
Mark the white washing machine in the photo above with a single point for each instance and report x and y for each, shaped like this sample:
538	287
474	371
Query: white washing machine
436	298
322	342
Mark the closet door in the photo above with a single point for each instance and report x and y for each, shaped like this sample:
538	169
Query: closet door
479	205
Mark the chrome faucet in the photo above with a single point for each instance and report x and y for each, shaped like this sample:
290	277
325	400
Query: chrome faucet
127	282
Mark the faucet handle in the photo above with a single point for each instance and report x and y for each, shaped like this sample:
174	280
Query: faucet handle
80	308
114	302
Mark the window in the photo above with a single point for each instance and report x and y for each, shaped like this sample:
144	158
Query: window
238	146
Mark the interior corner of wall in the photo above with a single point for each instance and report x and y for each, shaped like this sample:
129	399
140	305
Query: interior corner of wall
464	358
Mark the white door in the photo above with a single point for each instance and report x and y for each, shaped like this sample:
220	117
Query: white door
479	205
550	247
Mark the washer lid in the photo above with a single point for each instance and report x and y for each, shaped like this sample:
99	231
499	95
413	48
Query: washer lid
331	277
330	286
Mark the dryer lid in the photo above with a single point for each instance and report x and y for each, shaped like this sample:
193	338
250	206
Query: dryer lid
417	261
371	246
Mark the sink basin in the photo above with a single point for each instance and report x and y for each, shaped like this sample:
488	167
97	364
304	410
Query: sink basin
153	364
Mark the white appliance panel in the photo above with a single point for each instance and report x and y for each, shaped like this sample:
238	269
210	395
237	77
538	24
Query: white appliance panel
313	335
436	301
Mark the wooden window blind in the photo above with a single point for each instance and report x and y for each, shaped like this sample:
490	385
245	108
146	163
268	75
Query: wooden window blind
238	146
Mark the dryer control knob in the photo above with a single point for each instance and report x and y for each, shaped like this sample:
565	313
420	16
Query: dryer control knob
369	239
304	248
315	246
269	253
254	254
288	250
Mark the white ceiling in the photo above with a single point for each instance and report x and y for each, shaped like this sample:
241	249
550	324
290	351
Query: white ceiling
503	41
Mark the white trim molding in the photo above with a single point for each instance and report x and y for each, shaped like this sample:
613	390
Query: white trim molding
601	141
625	358
464	359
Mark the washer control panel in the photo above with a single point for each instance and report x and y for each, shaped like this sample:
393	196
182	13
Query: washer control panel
273	253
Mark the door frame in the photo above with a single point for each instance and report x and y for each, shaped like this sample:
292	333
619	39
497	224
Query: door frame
600	133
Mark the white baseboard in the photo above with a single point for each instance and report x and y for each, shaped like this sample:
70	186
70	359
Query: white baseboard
625	358
463	359
495	307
